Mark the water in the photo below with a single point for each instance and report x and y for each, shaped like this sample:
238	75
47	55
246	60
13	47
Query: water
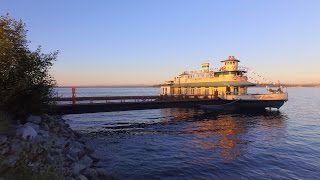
194	144
90	92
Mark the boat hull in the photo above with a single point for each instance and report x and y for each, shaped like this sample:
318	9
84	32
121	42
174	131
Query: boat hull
258	104
231	105
260	97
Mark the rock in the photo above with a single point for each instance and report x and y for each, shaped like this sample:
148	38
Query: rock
56	151
46	127
60	142
90	172
34	119
82	177
74	159
4	150
88	148
75	149
101	172
33	125
43	133
50	159
87	161
27	132
94	157
3	139
48	118
16	147
10	161
77	167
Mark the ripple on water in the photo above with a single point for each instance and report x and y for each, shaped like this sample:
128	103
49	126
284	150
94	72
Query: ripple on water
191	143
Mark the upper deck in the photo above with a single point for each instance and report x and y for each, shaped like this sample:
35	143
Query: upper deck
228	72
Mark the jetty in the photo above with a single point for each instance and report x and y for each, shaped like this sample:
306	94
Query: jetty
79	105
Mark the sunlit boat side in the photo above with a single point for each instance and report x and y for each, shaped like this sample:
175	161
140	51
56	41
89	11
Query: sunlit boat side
229	84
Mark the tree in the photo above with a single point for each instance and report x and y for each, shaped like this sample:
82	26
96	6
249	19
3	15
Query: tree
25	83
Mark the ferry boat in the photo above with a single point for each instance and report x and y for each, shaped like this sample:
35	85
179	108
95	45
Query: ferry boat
227	87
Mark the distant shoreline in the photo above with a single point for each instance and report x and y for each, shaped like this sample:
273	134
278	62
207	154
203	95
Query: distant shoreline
153	86
129	86
289	85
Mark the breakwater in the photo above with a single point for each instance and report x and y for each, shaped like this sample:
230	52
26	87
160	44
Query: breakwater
47	147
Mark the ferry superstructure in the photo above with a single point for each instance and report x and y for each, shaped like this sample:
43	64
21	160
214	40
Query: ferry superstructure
228	83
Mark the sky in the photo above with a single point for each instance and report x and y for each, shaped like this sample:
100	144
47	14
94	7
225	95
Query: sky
145	42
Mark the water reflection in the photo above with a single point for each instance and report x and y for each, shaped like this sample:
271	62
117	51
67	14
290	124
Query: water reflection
226	134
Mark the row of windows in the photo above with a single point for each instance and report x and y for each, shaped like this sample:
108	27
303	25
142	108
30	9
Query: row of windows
199	91
194	91
229	62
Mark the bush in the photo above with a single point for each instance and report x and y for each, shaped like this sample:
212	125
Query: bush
25	83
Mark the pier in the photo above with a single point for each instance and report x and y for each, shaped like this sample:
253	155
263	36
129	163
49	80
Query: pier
79	105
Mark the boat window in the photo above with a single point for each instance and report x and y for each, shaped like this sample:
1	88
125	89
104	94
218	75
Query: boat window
198	91
206	91
235	90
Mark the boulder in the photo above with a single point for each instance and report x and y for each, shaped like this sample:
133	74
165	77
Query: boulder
16	147
10	161
43	133
56	151
3	139
34	119
68	156
82	177
48	118
94	157
101	172
46	127
77	167
90	172
33	125
86	160
4	150
27	132
60	142
88	148
75	149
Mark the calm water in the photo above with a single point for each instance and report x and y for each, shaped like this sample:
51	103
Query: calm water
89	92
194	144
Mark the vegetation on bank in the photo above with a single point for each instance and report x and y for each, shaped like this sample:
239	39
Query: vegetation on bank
26	87
25	83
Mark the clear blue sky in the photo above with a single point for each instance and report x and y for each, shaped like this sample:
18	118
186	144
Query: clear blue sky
148	41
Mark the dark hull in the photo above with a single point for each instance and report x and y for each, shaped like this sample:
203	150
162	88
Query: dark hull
245	105
259	104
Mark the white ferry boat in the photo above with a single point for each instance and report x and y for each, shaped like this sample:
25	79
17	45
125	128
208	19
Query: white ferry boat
227	87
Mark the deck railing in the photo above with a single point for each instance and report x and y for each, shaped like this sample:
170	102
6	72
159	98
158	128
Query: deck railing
129	99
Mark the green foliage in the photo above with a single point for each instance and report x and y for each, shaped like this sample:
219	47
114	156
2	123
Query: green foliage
25	83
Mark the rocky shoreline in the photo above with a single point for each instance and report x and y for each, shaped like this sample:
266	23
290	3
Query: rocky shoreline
47	144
